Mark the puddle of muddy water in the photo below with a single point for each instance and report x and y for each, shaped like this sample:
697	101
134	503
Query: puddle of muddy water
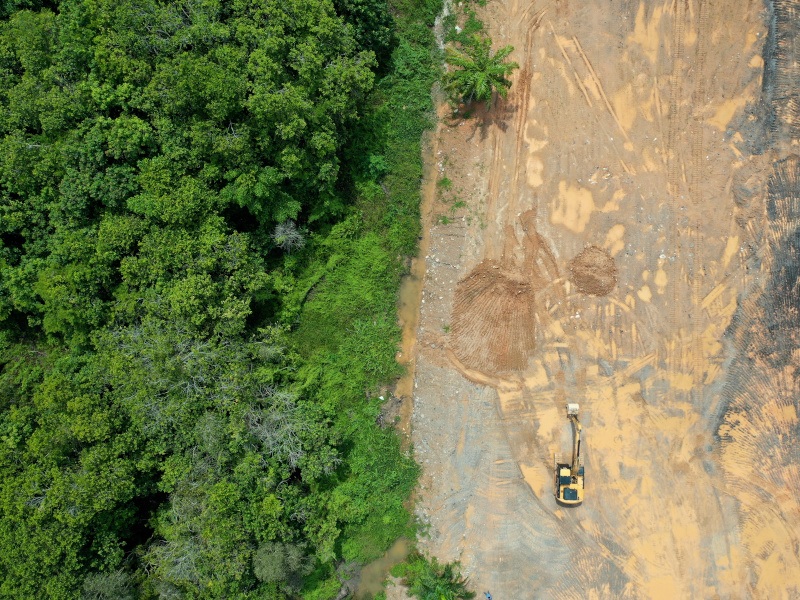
408	316
375	573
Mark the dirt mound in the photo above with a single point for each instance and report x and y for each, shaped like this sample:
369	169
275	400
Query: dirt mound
493	324
593	271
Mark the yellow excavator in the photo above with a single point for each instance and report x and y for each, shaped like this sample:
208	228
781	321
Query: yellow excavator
568	477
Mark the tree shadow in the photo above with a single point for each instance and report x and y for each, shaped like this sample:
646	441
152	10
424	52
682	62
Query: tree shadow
483	117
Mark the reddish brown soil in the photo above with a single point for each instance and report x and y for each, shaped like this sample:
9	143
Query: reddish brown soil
593	271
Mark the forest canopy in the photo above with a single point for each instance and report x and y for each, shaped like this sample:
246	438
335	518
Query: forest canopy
204	210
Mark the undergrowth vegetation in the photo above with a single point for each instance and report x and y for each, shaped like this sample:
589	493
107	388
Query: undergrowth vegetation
425	578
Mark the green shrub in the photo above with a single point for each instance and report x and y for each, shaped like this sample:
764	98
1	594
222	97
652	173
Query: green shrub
427	579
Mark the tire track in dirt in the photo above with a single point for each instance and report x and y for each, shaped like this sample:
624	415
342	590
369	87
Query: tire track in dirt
685	352
518	100
696	195
533	21
495	175
674	126
572	45
600	90
759	427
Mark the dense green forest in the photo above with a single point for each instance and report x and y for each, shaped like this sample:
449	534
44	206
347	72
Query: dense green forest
205	207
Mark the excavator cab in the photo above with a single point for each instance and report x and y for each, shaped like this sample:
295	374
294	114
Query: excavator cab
568	476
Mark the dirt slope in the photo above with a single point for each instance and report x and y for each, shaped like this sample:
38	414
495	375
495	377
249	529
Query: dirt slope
604	225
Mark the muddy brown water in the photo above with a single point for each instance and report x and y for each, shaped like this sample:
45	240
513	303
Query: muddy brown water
375	573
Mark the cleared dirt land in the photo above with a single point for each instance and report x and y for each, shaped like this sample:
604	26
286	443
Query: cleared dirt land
621	232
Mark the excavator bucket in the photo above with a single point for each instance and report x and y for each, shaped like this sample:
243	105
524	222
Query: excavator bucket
572	409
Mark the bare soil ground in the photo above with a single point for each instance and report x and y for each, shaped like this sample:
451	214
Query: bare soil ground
615	233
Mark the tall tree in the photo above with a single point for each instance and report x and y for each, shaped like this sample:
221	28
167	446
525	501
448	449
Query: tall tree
372	22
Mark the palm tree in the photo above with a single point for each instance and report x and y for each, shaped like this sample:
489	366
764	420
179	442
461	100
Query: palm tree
479	73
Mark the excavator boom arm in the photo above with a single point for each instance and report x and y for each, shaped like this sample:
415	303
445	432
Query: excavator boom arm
576	447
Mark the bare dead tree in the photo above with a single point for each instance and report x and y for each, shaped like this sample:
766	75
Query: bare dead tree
277	427
287	237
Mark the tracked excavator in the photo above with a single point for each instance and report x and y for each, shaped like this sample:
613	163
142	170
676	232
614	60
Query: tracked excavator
568	477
